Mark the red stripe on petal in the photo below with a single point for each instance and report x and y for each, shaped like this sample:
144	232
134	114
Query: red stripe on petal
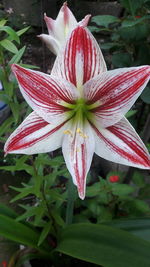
19	140
132	143
135	154
41	86
80	177
119	88
81	60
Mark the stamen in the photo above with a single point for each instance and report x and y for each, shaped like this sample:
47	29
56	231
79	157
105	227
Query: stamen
81	133
68	132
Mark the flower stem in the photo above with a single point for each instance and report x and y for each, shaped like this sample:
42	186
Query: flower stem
70	202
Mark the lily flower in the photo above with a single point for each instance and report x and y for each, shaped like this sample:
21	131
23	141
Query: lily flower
81	107
59	29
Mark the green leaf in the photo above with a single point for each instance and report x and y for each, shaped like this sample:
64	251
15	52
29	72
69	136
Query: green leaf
16	58
104	245
22	31
3	22
20	233
139	227
131	113
44	232
145	96
11	32
131	5
25	191
6	124
120	60
8	45
29	66
138	179
109	45
104	20
122	189
144	192
93	190
15	110
132	22
7	211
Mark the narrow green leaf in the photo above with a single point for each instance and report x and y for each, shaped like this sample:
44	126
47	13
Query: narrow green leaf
11	32
3	22
6	124
44	232
104	245
8	45
16	58
15	110
131	113
29	66
22	31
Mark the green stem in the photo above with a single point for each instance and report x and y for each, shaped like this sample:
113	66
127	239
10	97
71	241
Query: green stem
70	203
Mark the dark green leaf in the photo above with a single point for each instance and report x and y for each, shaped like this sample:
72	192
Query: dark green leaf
20	233
120	60
104	245
104	20
122	189
145	96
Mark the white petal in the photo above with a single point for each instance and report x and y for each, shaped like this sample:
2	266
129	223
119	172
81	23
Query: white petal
121	144
81	59
115	91
34	135
52	44
45	94
78	148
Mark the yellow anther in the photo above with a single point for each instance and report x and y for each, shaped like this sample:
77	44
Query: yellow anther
81	133
78	130
78	149
68	132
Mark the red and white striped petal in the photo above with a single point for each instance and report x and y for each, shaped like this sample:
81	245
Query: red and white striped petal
45	94
78	147
34	135
121	144
115	91
52	44
81	59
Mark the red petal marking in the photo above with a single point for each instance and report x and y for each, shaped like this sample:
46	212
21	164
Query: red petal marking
80	44
80	178
43	89
18	142
138	155
112	96
82	49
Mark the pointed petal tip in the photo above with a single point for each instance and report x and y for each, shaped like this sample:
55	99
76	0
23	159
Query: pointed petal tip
81	196
84	22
